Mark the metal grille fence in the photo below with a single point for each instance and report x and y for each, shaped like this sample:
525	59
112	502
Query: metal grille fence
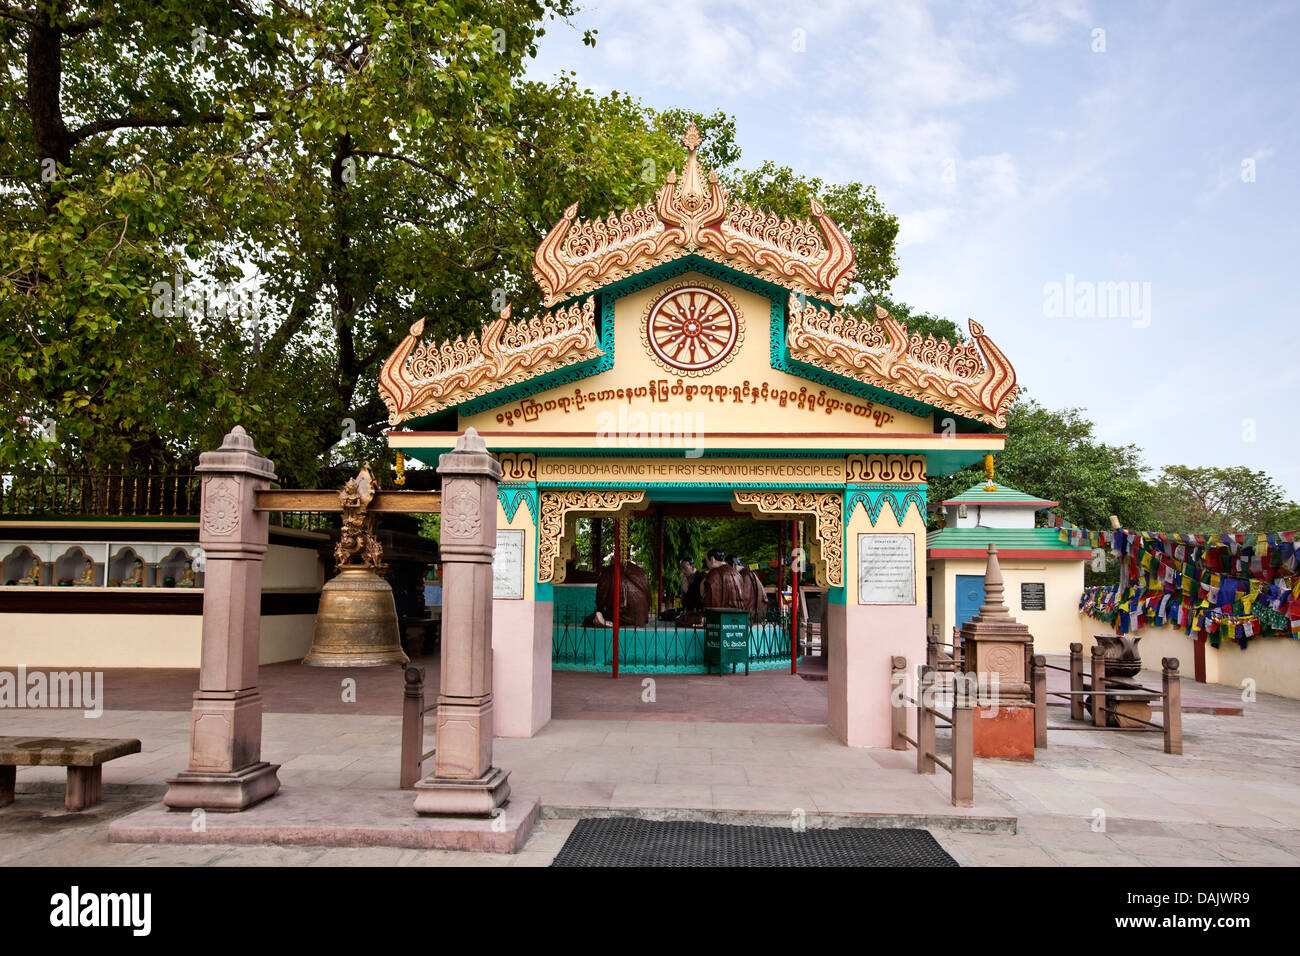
659	646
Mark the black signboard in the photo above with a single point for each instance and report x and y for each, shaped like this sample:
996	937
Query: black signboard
1033	596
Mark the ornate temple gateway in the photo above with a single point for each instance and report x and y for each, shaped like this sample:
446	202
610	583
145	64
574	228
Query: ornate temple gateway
696	351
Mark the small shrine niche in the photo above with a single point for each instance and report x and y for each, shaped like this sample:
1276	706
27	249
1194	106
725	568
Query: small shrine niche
176	570
128	570
23	567
75	567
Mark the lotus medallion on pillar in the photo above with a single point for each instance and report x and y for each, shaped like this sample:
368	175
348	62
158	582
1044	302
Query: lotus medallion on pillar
464	782
996	649
226	770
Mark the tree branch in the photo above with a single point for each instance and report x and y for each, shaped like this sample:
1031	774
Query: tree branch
149	122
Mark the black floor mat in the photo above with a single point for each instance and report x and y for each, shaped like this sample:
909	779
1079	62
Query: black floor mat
620	841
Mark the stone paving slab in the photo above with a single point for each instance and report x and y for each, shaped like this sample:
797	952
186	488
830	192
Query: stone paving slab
334	818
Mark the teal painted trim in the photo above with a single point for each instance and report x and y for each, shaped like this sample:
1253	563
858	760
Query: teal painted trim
510	497
695	485
875	497
837	595
669	668
543	591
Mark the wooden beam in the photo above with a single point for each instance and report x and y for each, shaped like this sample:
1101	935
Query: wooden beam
325	500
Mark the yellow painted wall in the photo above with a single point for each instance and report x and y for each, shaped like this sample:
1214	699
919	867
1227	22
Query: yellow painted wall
286	568
751	363
100	640
1054	629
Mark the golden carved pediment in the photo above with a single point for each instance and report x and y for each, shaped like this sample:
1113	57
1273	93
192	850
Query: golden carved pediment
424	377
695	215
973	379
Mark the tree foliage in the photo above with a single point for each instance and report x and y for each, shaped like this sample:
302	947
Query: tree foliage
228	212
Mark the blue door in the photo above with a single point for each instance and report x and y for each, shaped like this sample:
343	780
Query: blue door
970	595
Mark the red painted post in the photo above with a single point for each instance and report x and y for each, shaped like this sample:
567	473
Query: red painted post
780	567
794	603
659	598
618	585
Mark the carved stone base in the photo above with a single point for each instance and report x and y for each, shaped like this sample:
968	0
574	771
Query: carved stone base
471	798
222	792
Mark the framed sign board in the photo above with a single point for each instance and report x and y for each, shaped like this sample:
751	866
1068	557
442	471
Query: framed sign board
886	568
508	566
1033	596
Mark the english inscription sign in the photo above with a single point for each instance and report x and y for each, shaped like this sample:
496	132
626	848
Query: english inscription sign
1033	596
886	569
508	566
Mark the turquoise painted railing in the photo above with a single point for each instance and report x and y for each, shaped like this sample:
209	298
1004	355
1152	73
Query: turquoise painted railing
661	647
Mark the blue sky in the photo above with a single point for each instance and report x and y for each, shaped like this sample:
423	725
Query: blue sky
1020	147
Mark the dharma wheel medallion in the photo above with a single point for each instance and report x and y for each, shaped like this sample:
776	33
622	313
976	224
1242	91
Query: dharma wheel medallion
691	329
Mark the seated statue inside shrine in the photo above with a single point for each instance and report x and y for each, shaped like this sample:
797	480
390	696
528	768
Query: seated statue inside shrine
722	587
754	592
634	597
692	614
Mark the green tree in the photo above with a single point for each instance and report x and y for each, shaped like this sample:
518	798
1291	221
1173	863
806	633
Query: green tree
1233	500
1055	455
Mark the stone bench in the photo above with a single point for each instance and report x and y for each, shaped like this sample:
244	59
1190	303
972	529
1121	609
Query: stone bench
83	756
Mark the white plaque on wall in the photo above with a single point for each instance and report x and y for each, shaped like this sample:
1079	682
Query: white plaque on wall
886	569
508	566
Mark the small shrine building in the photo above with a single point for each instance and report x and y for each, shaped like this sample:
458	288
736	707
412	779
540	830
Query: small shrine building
697	351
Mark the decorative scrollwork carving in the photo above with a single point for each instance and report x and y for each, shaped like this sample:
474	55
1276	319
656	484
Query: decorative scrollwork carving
861	469
358	534
695	215
555	505
827	508
420	378
975	379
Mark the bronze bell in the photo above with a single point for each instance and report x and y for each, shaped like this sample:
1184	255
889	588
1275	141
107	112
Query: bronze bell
356	623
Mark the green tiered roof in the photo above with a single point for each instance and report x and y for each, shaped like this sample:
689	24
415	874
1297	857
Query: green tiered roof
1010	542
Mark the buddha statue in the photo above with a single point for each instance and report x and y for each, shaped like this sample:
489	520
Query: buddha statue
188	579
33	576
87	579
136	578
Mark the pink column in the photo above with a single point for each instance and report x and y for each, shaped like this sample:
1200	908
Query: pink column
226	770
463	781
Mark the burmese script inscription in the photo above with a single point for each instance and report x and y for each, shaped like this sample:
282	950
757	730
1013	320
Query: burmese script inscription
814	400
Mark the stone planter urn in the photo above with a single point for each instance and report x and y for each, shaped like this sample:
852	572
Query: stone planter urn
1121	652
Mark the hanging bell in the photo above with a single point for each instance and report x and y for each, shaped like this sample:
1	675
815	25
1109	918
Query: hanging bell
356	623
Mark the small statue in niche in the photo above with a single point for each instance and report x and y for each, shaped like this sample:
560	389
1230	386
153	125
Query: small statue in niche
87	579
33	576
136	578
187	579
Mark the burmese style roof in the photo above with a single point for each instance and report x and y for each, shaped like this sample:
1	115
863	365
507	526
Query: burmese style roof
695	218
1041	543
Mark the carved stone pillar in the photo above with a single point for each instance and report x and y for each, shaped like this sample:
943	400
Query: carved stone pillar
226	770
996	648
463	781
